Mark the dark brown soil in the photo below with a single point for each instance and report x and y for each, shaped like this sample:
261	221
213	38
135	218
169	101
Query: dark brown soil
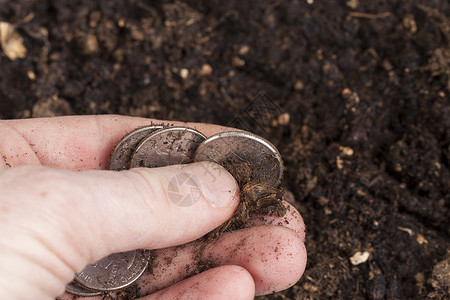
355	95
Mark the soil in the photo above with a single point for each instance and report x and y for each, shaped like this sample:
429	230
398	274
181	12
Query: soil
354	94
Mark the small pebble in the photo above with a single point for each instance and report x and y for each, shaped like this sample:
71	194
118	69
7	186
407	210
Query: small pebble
359	258
206	70
353	4
421	239
284	119
244	50
184	73
31	75
410	23
347	151
237	62
299	85
11	42
339	162
323	200
90	44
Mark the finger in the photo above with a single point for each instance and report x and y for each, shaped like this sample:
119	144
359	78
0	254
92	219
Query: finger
292	220
266	247
275	256
225	282
121	211
72	142
14	149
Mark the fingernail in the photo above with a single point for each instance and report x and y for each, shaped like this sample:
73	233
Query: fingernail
216	183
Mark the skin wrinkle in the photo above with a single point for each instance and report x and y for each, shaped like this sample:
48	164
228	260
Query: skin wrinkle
26	154
50	157
37	261
51	250
136	175
89	193
110	206
54	217
34	234
19	278
102	141
105	140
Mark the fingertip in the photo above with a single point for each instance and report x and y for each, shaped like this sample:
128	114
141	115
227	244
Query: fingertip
286	261
275	256
240	283
243	279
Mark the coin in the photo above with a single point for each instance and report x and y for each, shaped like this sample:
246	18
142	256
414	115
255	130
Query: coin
75	289
238	147
165	147
114	272
121	154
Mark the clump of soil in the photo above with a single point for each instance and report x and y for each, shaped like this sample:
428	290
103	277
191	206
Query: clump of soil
256	197
441	278
129	292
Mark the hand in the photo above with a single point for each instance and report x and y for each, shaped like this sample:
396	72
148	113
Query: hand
60	210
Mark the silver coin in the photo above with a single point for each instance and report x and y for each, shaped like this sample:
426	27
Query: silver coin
237	147
114	272
121	154
75	289
168	146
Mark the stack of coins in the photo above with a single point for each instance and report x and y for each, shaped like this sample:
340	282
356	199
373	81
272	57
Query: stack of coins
111	273
158	146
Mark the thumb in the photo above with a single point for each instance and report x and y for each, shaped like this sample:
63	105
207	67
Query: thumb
84	216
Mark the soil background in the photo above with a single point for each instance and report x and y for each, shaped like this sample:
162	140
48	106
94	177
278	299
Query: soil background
355	95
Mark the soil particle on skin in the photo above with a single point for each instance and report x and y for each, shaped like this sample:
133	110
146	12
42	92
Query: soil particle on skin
355	97
204	265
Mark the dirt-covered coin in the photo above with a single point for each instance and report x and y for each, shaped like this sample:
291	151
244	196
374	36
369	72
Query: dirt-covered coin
114	272
168	146
248	157
122	152
75	289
